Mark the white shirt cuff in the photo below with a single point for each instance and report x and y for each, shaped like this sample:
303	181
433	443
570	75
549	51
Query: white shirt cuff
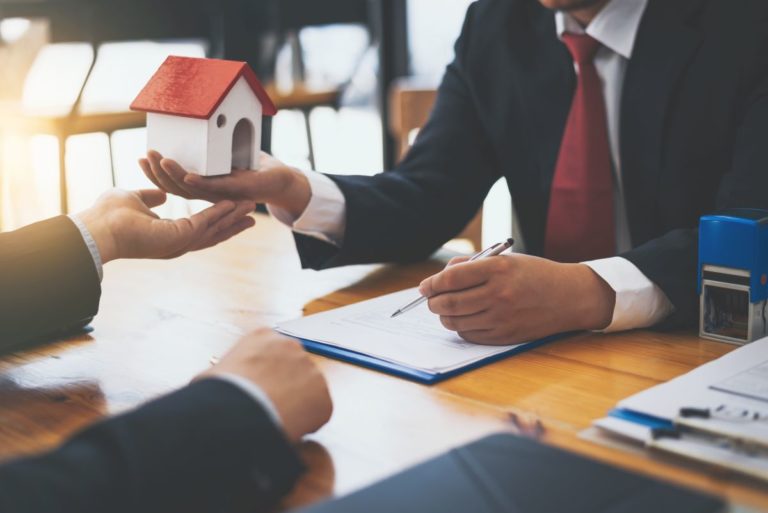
325	215
640	303
255	391
92	247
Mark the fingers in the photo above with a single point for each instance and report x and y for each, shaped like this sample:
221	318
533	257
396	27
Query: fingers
461	323
227	233
177	174
465	302
242	209
458	277
223	228
457	260
152	197
228	186
162	178
210	227
196	226
144	165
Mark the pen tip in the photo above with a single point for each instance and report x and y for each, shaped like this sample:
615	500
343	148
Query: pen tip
511	241
395	314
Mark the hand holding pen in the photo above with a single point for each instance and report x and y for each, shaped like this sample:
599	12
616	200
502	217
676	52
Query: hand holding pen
496	249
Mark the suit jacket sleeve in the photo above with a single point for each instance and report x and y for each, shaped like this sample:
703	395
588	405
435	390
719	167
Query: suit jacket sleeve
206	448
671	261
407	213
48	280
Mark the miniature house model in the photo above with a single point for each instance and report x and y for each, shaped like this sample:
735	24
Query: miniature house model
205	114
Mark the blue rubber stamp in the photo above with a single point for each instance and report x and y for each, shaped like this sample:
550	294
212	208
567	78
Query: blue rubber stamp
733	271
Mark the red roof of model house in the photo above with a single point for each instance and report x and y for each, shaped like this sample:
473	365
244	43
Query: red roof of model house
194	88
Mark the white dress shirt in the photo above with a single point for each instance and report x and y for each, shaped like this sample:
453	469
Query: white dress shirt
247	386
639	302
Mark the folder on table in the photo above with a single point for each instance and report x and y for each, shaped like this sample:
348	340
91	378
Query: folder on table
414	345
715	414
508	474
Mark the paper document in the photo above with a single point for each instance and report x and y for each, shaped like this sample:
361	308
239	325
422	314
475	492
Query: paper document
731	387
415	339
717	413
717	451
752	382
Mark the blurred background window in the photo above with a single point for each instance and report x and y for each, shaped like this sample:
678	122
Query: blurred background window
66	83
433	26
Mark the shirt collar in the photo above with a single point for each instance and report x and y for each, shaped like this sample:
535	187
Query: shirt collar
615	26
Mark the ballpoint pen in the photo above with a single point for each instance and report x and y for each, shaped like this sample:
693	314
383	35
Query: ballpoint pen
496	249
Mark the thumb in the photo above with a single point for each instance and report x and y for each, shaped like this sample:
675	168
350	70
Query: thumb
152	197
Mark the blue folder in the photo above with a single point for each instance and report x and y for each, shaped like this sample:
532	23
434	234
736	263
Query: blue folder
403	371
640	418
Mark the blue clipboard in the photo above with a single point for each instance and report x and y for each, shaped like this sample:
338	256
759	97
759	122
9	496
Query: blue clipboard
418	375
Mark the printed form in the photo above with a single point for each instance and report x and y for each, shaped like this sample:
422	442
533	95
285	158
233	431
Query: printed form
415	339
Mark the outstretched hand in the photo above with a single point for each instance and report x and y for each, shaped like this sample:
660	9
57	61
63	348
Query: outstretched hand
123	226
274	183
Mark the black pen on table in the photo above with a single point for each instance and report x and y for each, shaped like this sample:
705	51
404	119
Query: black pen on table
496	249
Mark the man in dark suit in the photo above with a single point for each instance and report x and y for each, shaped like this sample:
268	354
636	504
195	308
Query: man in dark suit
223	443
616	123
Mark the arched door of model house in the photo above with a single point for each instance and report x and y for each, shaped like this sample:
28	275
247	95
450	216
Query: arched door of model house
242	145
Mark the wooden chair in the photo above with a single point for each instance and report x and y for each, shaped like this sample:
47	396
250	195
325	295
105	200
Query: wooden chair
290	17
410	107
305	100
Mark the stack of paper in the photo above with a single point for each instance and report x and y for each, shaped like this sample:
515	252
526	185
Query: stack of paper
415	340
717	413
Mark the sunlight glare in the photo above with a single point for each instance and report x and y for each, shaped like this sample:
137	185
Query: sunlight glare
88	169
55	78
13	29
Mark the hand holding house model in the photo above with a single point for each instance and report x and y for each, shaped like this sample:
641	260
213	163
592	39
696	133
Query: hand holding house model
205	114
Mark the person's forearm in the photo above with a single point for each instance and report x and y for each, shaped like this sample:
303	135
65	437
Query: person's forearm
593	311
55	284
207	447
670	262
97	225
296	196
90	243
639	303
324	216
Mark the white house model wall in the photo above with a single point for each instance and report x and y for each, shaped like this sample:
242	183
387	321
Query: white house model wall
229	139
183	139
241	111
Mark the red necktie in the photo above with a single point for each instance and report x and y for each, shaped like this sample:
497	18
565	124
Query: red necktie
580	224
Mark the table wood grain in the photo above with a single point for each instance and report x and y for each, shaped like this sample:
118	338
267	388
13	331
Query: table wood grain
161	322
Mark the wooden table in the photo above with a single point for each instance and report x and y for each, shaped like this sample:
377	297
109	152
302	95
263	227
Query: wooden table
161	322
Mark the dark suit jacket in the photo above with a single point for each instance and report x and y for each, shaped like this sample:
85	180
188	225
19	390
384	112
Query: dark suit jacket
694	137
206	448
48	281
